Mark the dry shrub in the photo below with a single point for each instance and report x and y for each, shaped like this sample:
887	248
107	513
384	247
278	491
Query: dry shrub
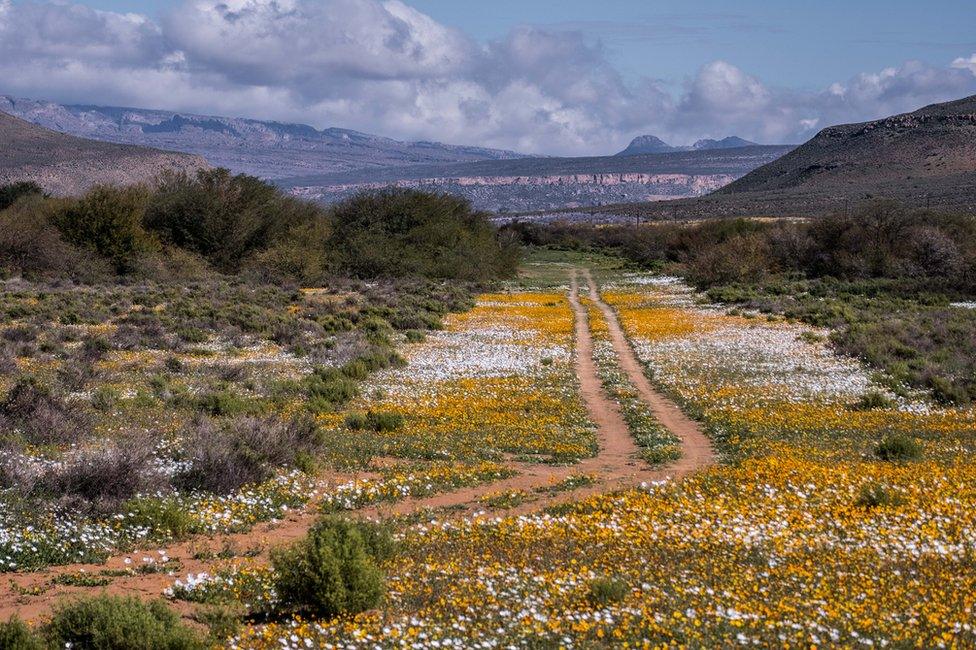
225	456
102	477
42	416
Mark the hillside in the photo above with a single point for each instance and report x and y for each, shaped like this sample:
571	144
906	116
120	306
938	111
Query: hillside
64	164
927	150
264	149
926	158
529	184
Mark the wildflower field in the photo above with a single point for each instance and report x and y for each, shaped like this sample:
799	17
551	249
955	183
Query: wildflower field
842	515
839	513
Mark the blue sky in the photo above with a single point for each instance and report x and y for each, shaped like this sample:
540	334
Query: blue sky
553	76
804	44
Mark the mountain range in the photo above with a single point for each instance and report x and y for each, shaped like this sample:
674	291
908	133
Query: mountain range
64	164
266	149
645	144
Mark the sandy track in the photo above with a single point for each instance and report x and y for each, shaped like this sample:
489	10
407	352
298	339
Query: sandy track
616	466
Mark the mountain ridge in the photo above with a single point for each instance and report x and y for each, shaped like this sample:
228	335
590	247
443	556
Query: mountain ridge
268	149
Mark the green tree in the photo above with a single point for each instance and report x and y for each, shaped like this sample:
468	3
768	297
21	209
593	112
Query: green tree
224	217
109	221
409	232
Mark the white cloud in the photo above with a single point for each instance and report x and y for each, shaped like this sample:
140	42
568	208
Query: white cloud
384	67
966	64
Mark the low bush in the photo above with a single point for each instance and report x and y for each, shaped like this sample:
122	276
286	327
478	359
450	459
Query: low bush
223	403
165	518
225	456
355	421
116	623
895	448
42	416
873	400
384	421
100	478
328	389
605	591
17	635
333	570
13	192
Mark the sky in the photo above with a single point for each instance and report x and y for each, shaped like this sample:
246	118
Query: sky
561	77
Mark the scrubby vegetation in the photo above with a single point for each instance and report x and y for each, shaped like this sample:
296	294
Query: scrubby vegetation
162	374
105	623
893	284
216	221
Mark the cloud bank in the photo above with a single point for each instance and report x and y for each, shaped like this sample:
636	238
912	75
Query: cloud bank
384	67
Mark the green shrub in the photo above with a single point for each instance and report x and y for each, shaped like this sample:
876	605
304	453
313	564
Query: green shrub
227	218
109	221
356	421
409	232
356	370
328	389
222	621
164	518
104	398
332	571
115	623
223	403
384	421
873	400
415	336
898	448
17	635
605	591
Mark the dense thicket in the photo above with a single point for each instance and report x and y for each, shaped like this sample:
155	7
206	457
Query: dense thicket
883	277
240	224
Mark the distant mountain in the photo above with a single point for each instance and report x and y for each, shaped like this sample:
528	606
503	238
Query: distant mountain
63	164
645	144
265	149
532	184
730	142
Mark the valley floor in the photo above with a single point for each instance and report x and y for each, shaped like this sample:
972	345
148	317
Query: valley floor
595	458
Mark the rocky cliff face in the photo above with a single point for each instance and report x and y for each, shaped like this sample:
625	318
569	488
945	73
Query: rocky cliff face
522	193
65	165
